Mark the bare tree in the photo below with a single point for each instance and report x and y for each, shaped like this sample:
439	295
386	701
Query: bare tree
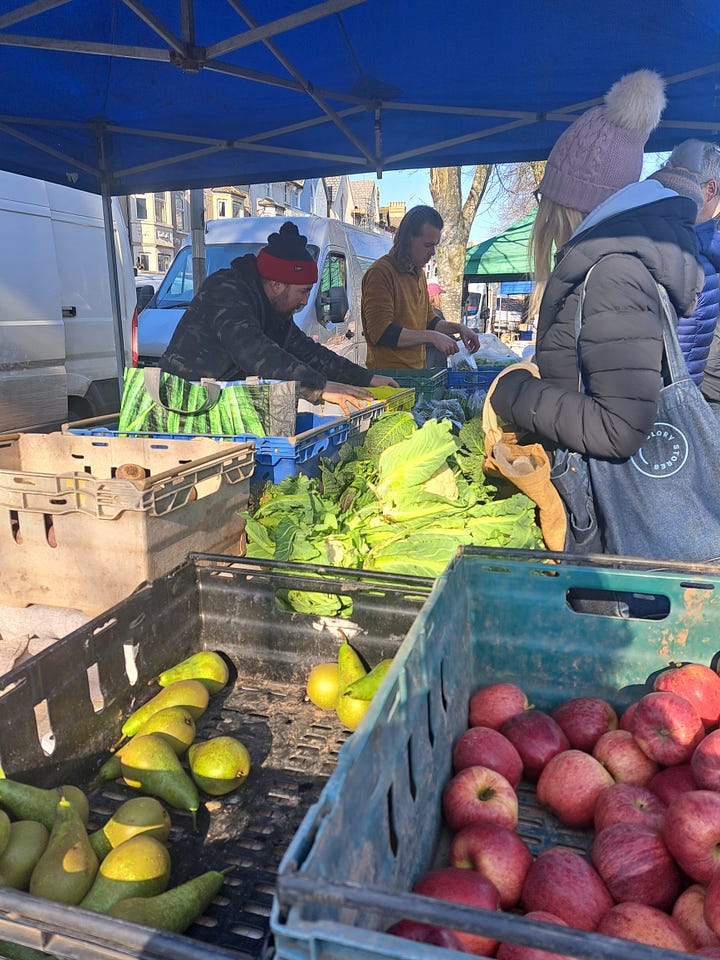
446	192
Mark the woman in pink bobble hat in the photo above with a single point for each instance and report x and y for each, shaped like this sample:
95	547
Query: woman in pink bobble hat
593	213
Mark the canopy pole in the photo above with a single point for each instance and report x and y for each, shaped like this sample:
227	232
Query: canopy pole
197	233
113	274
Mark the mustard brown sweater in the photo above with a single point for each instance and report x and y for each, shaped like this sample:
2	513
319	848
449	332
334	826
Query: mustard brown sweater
391	295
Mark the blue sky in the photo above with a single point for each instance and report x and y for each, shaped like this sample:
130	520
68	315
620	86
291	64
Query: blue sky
413	187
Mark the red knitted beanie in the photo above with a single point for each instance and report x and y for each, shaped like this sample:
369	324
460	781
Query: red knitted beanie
286	257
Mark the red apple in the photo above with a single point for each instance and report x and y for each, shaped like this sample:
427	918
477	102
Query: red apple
424	933
537	738
479	794
495	852
564	883
688	910
712	952
570	784
672	781
698	684
667	727
485	747
636	865
711	907
516	951
495	703
705	761
628	803
619	752
584	720
468	887
644	924
626	716
692	833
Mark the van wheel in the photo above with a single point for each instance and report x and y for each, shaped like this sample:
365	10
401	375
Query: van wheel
78	409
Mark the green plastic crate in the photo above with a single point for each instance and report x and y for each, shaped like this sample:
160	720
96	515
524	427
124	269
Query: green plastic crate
425	383
394	399
377	827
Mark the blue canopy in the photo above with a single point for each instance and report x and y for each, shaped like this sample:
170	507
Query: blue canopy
127	96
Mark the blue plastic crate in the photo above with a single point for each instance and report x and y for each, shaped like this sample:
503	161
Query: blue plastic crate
276	458
473	379
377	827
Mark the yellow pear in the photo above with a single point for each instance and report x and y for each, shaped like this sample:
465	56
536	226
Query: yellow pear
140	815
219	765
322	685
26	844
191	694
139	867
67	867
175	909
351	711
151	765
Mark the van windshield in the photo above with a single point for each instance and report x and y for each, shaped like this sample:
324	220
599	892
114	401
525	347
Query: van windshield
177	290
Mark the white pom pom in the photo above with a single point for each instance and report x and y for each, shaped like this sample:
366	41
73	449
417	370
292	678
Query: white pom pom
636	101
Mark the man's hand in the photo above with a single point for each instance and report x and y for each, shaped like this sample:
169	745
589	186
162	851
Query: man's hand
346	396
469	338
442	343
378	381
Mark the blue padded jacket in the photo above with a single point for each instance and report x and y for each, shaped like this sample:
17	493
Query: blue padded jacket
696	331
708	235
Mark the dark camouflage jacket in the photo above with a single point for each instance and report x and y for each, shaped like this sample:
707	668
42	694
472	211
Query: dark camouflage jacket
230	332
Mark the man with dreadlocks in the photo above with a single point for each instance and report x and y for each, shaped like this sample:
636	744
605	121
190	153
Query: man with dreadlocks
397	316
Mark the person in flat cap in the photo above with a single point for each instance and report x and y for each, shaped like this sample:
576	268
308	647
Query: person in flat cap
693	170
240	324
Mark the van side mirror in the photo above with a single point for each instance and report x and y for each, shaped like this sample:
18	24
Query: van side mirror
145	293
333	306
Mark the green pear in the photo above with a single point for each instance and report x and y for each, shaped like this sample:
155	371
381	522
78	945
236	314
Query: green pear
207	666
16	951
68	865
4	830
350	667
365	687
175	909
151	765
191	694
219	765
174	723
33	803
139	867
140	815
26	844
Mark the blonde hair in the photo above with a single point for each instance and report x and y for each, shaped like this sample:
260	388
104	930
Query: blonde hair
553	227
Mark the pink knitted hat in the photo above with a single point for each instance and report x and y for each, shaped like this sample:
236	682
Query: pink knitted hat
602	151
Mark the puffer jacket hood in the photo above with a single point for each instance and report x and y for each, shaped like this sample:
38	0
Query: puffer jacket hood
655	233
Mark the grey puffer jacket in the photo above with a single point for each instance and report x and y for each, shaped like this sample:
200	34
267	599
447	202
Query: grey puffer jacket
620	342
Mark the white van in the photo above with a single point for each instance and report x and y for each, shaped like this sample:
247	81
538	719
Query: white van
57	341
332	314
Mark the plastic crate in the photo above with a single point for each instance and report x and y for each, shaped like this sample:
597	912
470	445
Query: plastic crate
276	458
479	379
425	383
494	615
74	534
394	398
85	684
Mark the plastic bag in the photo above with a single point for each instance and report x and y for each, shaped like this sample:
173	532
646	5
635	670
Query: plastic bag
462	360
493	351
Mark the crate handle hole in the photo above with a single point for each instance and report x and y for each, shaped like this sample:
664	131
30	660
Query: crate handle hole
431	732
131	670
392	833
411	773
618	604
15	531
96	695
443	693
45	734
50	530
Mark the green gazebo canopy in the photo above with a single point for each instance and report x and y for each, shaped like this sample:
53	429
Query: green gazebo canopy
502	257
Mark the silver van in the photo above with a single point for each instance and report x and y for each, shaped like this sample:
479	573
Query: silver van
332	314
57	332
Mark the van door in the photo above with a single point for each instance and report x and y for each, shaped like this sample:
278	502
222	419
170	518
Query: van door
91	365
33	383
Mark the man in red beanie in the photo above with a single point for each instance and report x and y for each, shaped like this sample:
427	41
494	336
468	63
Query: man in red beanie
240	324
